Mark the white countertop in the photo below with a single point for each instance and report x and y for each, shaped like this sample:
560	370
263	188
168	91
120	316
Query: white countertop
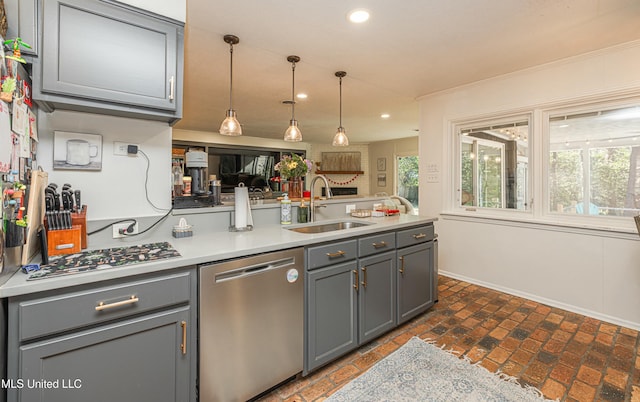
212	247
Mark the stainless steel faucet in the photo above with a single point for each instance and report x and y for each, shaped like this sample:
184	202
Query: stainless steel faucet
313	206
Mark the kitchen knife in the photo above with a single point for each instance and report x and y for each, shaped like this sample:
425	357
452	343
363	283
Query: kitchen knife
78	203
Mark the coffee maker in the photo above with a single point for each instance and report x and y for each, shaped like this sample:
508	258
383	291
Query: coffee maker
196	163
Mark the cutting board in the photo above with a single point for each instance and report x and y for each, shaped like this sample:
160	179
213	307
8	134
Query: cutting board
35	214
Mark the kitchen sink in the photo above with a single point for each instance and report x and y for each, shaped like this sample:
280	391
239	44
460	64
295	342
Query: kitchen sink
323	227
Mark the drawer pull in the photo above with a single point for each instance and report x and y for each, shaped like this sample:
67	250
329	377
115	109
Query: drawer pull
364	277
402	265
102	306
356	283
339	253
419	236
378	245
183	345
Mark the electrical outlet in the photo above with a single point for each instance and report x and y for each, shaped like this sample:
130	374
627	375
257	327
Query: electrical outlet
350	208
120	148
116	229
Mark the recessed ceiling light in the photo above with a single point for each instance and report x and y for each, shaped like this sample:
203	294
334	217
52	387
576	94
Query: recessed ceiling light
301	96
358	16
385	115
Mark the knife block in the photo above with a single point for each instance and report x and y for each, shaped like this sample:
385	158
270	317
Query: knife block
77	219
64	241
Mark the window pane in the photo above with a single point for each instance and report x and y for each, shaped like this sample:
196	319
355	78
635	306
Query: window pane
595	163
407	167
494	160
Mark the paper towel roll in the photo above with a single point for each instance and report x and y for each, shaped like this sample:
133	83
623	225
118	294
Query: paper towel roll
242	206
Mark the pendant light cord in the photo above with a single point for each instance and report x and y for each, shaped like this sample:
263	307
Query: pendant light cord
340	102
293	90
231	77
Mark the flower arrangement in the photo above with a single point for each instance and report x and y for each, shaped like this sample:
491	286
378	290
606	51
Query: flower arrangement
293	166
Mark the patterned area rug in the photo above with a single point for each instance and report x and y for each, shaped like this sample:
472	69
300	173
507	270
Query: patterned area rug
91	260
421	371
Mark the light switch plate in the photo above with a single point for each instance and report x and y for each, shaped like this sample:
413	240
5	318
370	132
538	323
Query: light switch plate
350	208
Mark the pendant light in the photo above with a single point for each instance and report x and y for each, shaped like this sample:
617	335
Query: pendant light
293	133
230	126
340	139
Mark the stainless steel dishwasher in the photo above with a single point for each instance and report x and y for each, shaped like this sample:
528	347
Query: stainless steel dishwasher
251	324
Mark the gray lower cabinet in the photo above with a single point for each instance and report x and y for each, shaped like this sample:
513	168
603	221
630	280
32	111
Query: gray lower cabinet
331	315
415	280
135	360
127	339
107	57
359	289
376	296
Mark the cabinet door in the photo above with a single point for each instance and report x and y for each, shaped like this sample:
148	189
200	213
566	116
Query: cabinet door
99	51
376	296
415	279
331	314
136	360
22	23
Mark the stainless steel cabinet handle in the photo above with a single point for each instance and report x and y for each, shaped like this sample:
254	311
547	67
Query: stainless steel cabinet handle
364	277
101	306
171	87
402	265
339	253
356	283
381	244
419	236
183	345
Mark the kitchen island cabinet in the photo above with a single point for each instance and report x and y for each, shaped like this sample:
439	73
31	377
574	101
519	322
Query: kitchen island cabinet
107	57
121	341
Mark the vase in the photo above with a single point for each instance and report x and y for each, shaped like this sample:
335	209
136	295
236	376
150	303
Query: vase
295	187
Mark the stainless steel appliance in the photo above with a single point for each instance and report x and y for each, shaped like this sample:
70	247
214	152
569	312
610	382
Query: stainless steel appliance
196	162
251	324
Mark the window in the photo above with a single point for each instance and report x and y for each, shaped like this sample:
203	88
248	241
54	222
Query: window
407	180
493	169
594	162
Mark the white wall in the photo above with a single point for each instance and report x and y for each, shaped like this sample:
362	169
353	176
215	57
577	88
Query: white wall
117	191
389	150
588	272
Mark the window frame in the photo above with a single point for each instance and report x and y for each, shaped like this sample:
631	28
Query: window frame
455	196
615	223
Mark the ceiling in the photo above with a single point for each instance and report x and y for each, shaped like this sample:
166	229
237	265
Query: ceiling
407	49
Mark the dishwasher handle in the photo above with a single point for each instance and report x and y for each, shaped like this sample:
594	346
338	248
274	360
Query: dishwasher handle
253	269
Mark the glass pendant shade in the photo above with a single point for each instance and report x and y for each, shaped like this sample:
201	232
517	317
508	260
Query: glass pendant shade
293	133
230	126
340	139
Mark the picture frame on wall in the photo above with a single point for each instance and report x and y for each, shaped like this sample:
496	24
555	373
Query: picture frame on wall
382	164
77	151
382	180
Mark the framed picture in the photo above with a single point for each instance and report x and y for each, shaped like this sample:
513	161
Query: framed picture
382	164
77	151
382	180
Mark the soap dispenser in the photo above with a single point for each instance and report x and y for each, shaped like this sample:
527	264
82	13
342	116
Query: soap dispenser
285	210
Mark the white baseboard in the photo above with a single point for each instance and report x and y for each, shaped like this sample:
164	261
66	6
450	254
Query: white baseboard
543	300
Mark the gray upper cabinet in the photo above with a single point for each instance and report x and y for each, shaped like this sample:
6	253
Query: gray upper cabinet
21	19
107	57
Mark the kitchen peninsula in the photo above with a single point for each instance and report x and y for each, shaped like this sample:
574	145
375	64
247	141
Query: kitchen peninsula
59	327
